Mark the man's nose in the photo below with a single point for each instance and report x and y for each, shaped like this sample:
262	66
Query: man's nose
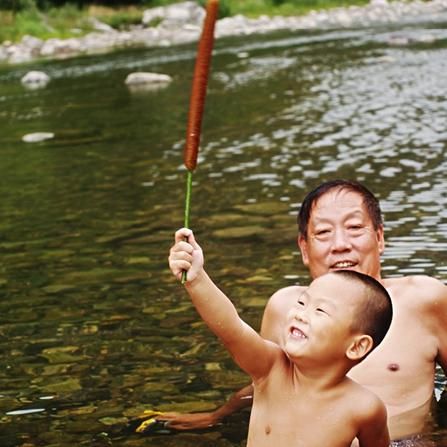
341	241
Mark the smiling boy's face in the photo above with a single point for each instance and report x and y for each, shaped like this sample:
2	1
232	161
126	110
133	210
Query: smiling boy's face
320	325
341	235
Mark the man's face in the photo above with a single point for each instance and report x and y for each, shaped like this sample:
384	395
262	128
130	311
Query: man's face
341	236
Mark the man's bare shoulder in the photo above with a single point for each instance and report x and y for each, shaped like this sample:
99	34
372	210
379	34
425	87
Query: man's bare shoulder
276	311
421	289
286	295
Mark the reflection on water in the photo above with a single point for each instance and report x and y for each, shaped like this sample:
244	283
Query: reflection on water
93	329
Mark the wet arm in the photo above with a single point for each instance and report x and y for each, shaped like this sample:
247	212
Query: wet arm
250	351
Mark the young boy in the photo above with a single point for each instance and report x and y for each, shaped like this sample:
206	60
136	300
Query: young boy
302	396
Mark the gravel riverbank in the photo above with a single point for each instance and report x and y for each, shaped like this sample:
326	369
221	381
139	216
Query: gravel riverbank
181	23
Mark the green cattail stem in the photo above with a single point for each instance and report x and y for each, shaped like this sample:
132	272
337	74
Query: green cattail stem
187	208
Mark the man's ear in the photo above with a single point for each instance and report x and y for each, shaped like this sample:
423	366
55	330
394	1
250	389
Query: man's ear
359	347
381	239
302	244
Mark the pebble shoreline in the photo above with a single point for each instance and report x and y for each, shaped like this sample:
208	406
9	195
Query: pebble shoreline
181	23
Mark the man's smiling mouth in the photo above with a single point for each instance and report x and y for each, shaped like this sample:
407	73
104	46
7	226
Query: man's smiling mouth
343	265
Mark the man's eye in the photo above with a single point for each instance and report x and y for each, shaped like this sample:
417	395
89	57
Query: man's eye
323	234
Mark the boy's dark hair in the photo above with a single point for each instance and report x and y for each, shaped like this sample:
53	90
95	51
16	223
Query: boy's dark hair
374	314
370	201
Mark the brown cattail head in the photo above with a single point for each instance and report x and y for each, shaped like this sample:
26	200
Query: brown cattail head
199	84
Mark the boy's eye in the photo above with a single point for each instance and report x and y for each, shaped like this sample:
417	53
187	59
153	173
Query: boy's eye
320	310
300	303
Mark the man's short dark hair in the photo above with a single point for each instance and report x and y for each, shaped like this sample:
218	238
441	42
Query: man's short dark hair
370	201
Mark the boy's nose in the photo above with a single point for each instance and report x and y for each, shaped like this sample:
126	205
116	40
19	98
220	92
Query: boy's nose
301	315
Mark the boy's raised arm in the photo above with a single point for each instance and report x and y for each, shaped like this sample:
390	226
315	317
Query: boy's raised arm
250	351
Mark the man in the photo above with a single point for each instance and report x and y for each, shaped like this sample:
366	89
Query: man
340	227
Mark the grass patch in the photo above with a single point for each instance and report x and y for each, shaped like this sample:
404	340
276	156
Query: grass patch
118	18
62	22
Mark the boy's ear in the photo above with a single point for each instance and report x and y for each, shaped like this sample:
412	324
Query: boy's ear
359	347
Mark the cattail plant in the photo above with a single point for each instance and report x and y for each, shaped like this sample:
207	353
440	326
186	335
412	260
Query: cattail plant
197	101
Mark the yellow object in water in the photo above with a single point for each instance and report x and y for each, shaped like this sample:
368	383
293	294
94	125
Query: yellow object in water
152	423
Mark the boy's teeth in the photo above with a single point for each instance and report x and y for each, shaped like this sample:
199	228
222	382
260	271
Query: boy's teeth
297	333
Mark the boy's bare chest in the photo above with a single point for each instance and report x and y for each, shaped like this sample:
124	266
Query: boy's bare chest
283	417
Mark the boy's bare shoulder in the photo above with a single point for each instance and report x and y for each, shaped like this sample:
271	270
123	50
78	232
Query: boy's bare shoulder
370	418
367	404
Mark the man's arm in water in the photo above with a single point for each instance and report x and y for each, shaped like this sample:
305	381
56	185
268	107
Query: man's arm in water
438	292
196	421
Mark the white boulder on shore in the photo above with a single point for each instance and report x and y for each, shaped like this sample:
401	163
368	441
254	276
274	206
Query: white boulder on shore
178	14
181	23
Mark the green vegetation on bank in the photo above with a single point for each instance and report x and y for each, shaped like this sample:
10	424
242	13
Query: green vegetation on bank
62	18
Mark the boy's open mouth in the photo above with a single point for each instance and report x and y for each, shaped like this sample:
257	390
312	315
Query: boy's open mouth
297	333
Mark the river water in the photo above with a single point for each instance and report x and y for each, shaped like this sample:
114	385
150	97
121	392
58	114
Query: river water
93	328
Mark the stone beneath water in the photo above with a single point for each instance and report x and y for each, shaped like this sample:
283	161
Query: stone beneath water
147	78
35	79
145	81
239	232
37	137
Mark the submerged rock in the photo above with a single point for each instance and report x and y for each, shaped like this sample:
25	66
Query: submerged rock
144	81
35	79
37	137
147	78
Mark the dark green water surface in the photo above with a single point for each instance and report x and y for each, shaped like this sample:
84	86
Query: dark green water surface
93	328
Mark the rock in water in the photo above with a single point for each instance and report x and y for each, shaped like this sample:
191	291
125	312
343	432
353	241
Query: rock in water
35	79
37	137
142	82
147	78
